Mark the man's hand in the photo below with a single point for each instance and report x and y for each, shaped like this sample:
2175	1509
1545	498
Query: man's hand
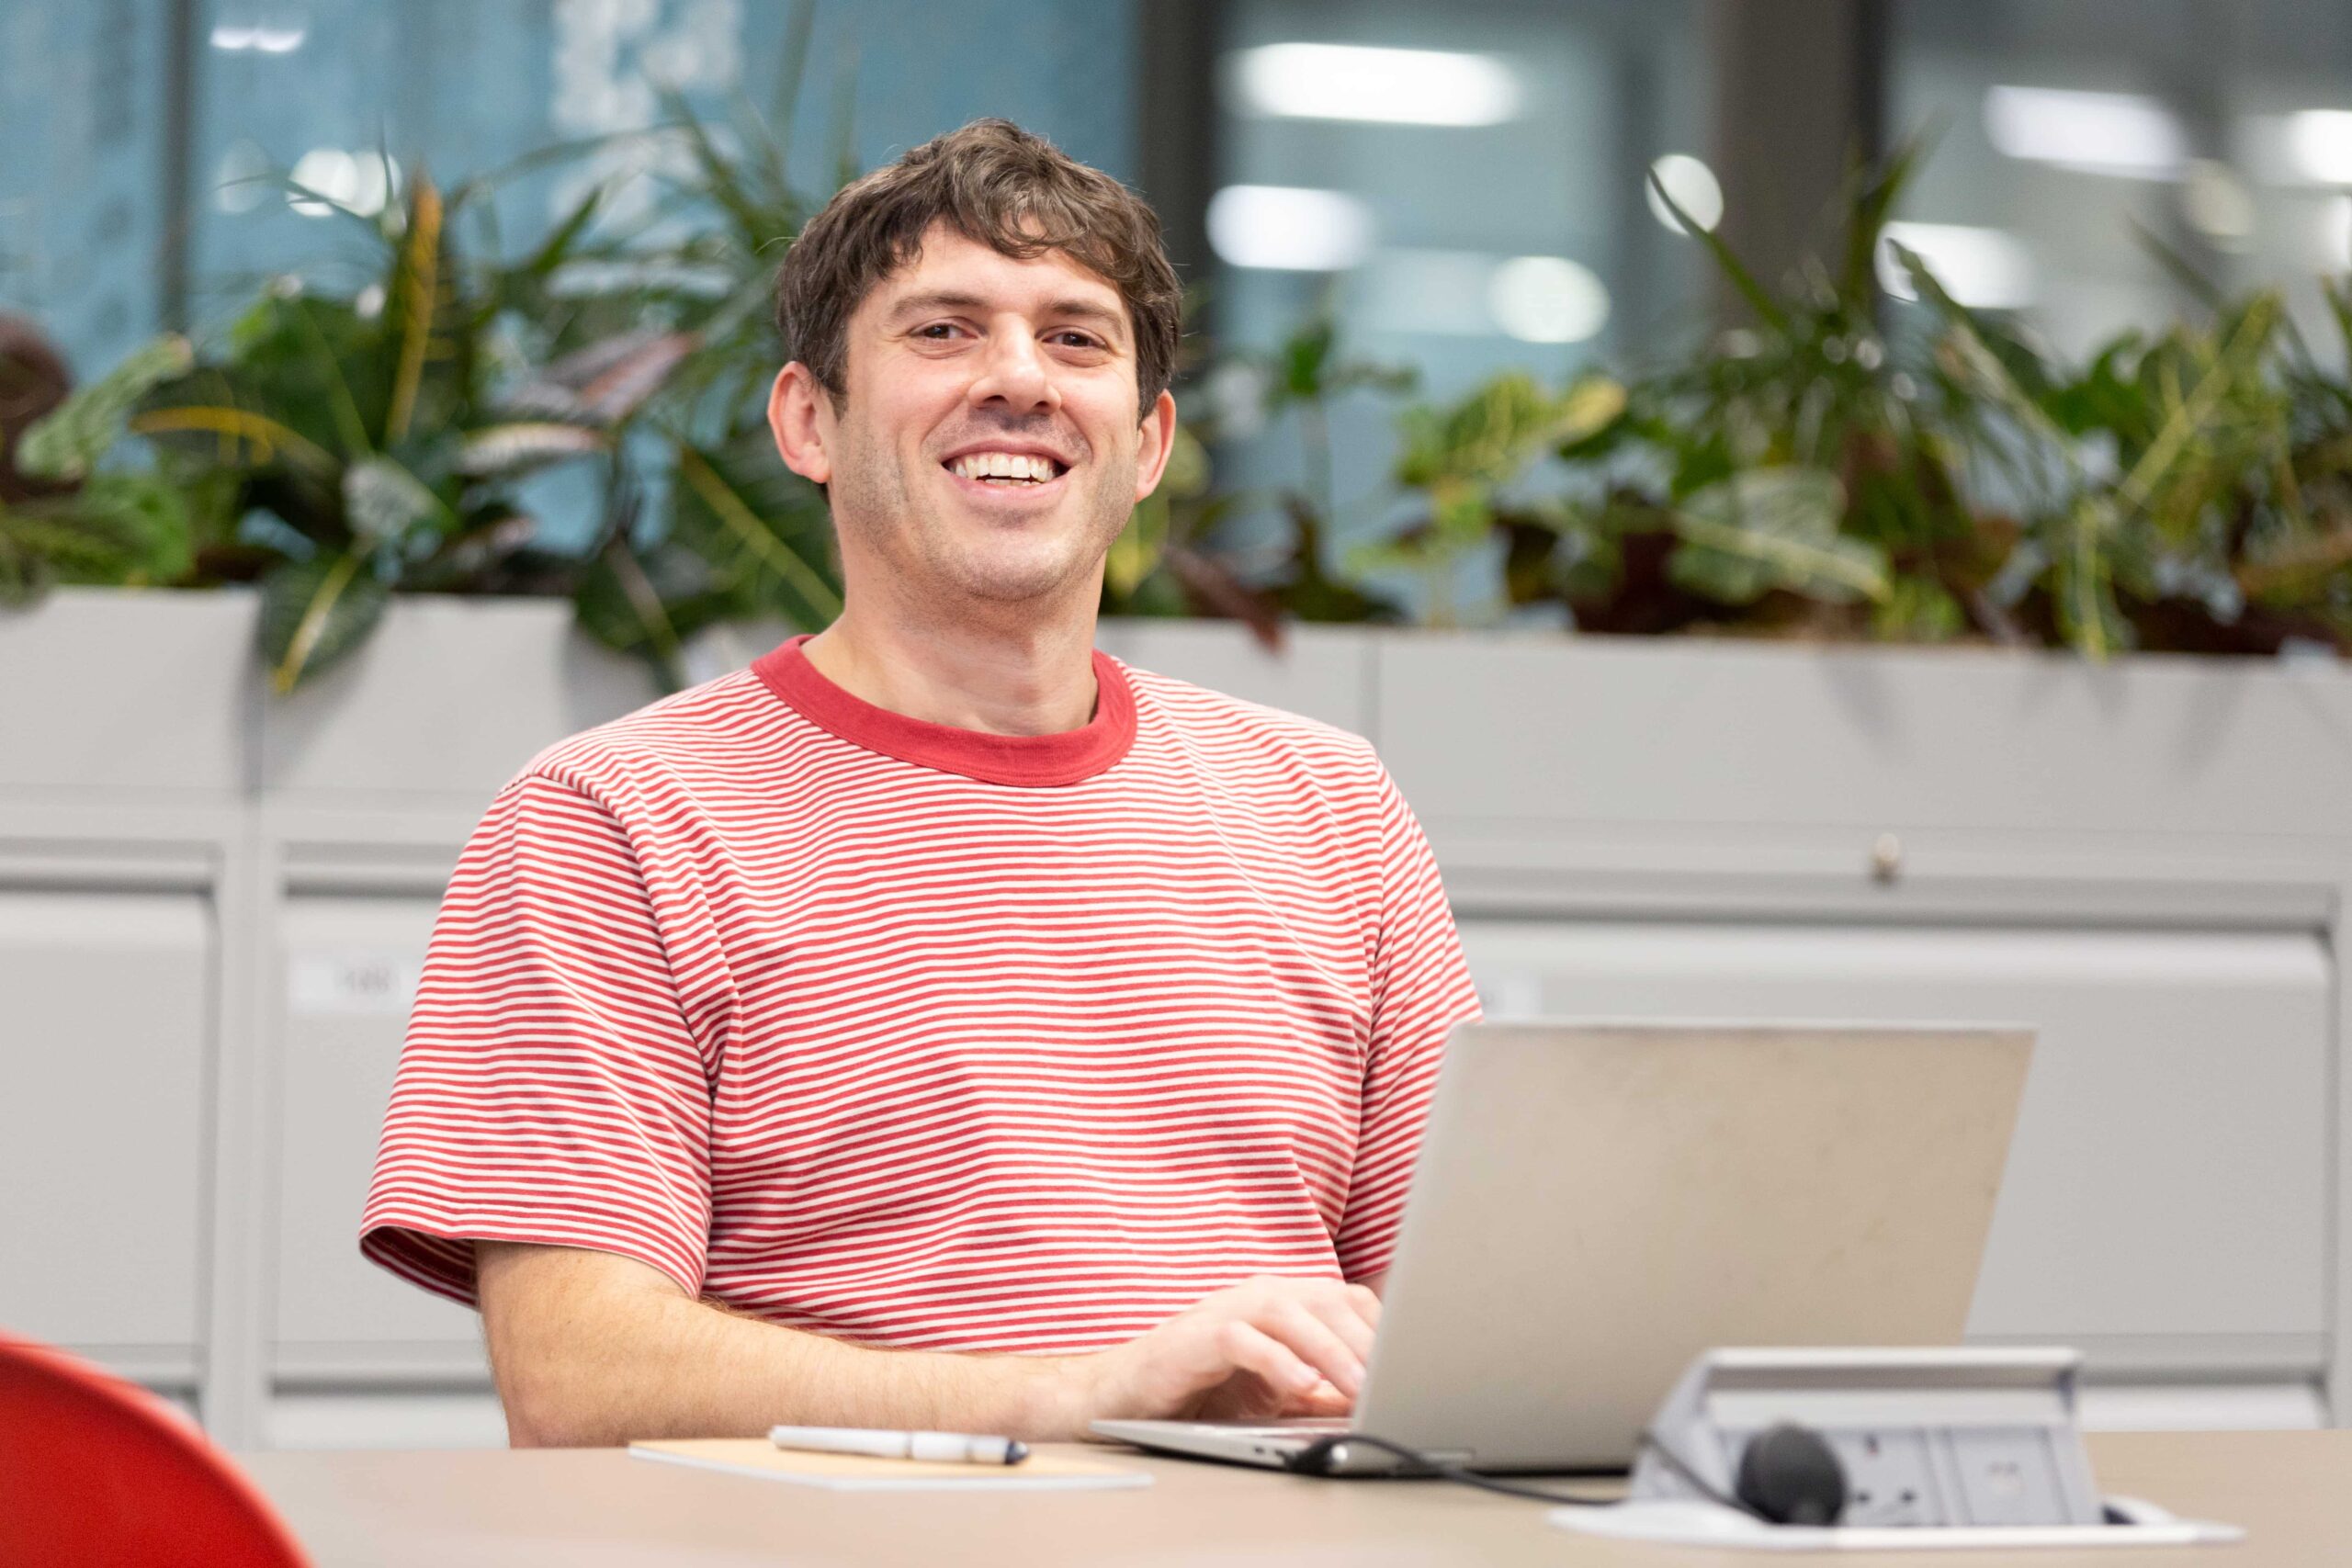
590	1348
1264	1348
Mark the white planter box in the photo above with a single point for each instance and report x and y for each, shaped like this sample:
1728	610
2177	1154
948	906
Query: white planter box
1630	730
448	697
1324	673
112	692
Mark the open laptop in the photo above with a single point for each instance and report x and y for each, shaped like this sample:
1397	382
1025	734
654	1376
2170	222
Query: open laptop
1597	1202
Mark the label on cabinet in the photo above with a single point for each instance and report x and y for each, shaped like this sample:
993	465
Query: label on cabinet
351	982
1511	994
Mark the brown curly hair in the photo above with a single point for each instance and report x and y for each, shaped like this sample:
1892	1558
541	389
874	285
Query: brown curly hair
999	186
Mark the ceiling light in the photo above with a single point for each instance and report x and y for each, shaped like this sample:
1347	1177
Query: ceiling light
2123	134
1987	268
1289	228
1692	186
1548	300
361	182
230	38
1404	86
2320	143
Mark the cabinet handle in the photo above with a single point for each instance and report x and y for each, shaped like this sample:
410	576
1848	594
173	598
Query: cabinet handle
1886	857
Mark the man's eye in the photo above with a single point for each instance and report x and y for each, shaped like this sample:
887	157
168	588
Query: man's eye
1077	340
936	330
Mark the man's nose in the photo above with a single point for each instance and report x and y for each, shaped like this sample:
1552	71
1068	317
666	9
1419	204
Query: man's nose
1014	376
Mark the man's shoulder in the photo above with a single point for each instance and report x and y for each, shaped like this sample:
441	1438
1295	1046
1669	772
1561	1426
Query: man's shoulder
703	728
1221	717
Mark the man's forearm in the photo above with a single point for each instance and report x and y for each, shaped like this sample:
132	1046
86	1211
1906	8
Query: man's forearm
609	1351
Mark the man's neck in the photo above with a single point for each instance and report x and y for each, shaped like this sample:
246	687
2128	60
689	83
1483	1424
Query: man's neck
1035	680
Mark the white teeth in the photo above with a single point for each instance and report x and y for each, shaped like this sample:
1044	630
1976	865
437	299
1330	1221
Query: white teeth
1005	465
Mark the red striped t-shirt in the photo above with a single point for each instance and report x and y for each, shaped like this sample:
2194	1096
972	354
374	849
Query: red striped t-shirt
913	1035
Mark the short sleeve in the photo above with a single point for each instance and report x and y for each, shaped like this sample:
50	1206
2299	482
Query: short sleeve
1421	988
550	1088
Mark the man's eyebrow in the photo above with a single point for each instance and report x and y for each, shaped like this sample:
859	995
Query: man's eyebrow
1086	310
935	299
1071	308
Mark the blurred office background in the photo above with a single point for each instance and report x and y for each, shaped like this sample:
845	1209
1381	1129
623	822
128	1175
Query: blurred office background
1467	177
1465	187
1461	186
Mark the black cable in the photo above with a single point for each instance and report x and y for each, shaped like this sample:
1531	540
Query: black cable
1691	1478
1316	1457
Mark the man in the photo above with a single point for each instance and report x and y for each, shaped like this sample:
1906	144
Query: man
794	1048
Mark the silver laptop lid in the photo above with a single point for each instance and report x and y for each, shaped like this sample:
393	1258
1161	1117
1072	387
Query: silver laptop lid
1597	1202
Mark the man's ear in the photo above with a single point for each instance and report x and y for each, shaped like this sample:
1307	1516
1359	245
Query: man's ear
1159	440
800	414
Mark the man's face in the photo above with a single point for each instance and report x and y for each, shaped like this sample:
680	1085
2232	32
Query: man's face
988	446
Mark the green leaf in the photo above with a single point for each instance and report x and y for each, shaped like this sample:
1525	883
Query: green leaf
1593	405
2082	581
792	71
233	438
1491	435
605	382
67	443
1304	355
503	451
649	603
118	529
1918	609
148	517
1867	212
1767	528
1759	300
39	547
1135	553
764	531
2179	439
381	499
425	337
314	612
557	246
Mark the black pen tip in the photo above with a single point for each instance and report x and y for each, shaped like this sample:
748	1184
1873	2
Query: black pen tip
1015	1451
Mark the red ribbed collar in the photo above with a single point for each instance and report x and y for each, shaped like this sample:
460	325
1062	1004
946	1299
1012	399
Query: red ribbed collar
1027	760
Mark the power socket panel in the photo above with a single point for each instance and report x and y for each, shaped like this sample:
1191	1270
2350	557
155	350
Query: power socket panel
1890	1477
1916	1475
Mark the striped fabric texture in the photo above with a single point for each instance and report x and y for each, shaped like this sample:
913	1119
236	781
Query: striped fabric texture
911	1035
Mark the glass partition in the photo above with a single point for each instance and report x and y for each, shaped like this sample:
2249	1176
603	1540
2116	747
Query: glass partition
2077	144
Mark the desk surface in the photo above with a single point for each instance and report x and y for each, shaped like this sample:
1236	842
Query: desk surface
599	1508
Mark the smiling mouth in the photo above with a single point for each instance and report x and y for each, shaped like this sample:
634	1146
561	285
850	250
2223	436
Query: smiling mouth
1007	470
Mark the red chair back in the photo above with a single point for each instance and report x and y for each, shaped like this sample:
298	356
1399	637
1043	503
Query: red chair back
98	1472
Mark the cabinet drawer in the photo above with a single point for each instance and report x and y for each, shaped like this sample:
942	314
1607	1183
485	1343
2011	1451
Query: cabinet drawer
104	1012
2169	1175
349	969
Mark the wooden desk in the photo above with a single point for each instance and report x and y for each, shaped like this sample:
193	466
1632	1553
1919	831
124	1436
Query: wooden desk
599	1508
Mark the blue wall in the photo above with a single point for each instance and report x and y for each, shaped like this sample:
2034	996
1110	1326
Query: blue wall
464	85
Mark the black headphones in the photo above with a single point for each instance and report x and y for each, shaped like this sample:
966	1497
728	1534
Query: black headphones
1791	1475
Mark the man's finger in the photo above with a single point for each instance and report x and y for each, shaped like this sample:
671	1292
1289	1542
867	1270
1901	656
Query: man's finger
1313	1340
1339	1315
1320	1400
1251	1350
